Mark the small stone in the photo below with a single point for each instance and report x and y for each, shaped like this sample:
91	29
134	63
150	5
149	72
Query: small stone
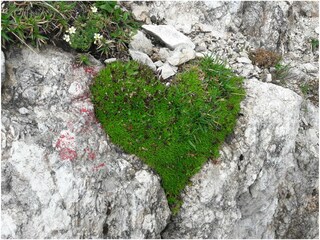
268	78
167	70
244	60
153	19
169	35
200	55
245	72
244	54
310	68
141	43
164	53
142	58
23	110
158	63
110	60
181	55
201	48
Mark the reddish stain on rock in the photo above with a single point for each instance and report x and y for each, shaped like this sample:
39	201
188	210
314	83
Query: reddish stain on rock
90	70
66	145
67	154
91	154
84	110
101	165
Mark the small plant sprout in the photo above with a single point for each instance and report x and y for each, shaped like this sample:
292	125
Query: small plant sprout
94	9
66	37
82	60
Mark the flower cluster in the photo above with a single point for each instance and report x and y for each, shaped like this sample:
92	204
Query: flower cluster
71	30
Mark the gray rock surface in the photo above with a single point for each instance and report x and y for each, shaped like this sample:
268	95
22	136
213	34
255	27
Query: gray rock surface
61	176
181	55
3	67
141	43
168	35
247	191
142	58
166	70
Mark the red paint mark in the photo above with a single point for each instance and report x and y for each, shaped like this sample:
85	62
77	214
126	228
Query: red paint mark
84	110
65	145
91	154
90	70
82	97
101	165
64	140
67	154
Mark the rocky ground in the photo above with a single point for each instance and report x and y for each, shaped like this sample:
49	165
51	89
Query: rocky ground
63	178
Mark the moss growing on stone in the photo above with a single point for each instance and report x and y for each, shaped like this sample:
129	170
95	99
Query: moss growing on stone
174	129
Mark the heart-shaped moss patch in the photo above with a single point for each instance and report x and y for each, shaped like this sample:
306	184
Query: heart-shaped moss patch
174	129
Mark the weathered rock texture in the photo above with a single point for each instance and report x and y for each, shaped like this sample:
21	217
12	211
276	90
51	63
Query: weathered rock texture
61	177
270	24
265	183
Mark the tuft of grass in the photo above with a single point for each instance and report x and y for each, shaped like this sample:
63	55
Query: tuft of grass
315	44
82	60
305	88
174	129
282	71
264	58
36	23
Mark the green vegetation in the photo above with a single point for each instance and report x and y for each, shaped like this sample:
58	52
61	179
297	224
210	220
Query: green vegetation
99	27
315	44
82	60
174	129
305	88
282	71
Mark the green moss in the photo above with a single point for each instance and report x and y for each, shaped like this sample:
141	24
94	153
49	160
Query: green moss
175	129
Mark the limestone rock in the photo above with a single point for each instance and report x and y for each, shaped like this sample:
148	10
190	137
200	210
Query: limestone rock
164	53
61	176
142	58
253	190
244	60
167	70
141	43
168	35
310	68
110	60
181	55
3	68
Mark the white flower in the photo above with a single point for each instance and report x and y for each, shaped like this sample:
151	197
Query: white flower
72	30
94	9
66	37
97	38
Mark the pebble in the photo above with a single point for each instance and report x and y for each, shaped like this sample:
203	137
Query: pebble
23	110
268	78
158	63
110	60
310	68
244	60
